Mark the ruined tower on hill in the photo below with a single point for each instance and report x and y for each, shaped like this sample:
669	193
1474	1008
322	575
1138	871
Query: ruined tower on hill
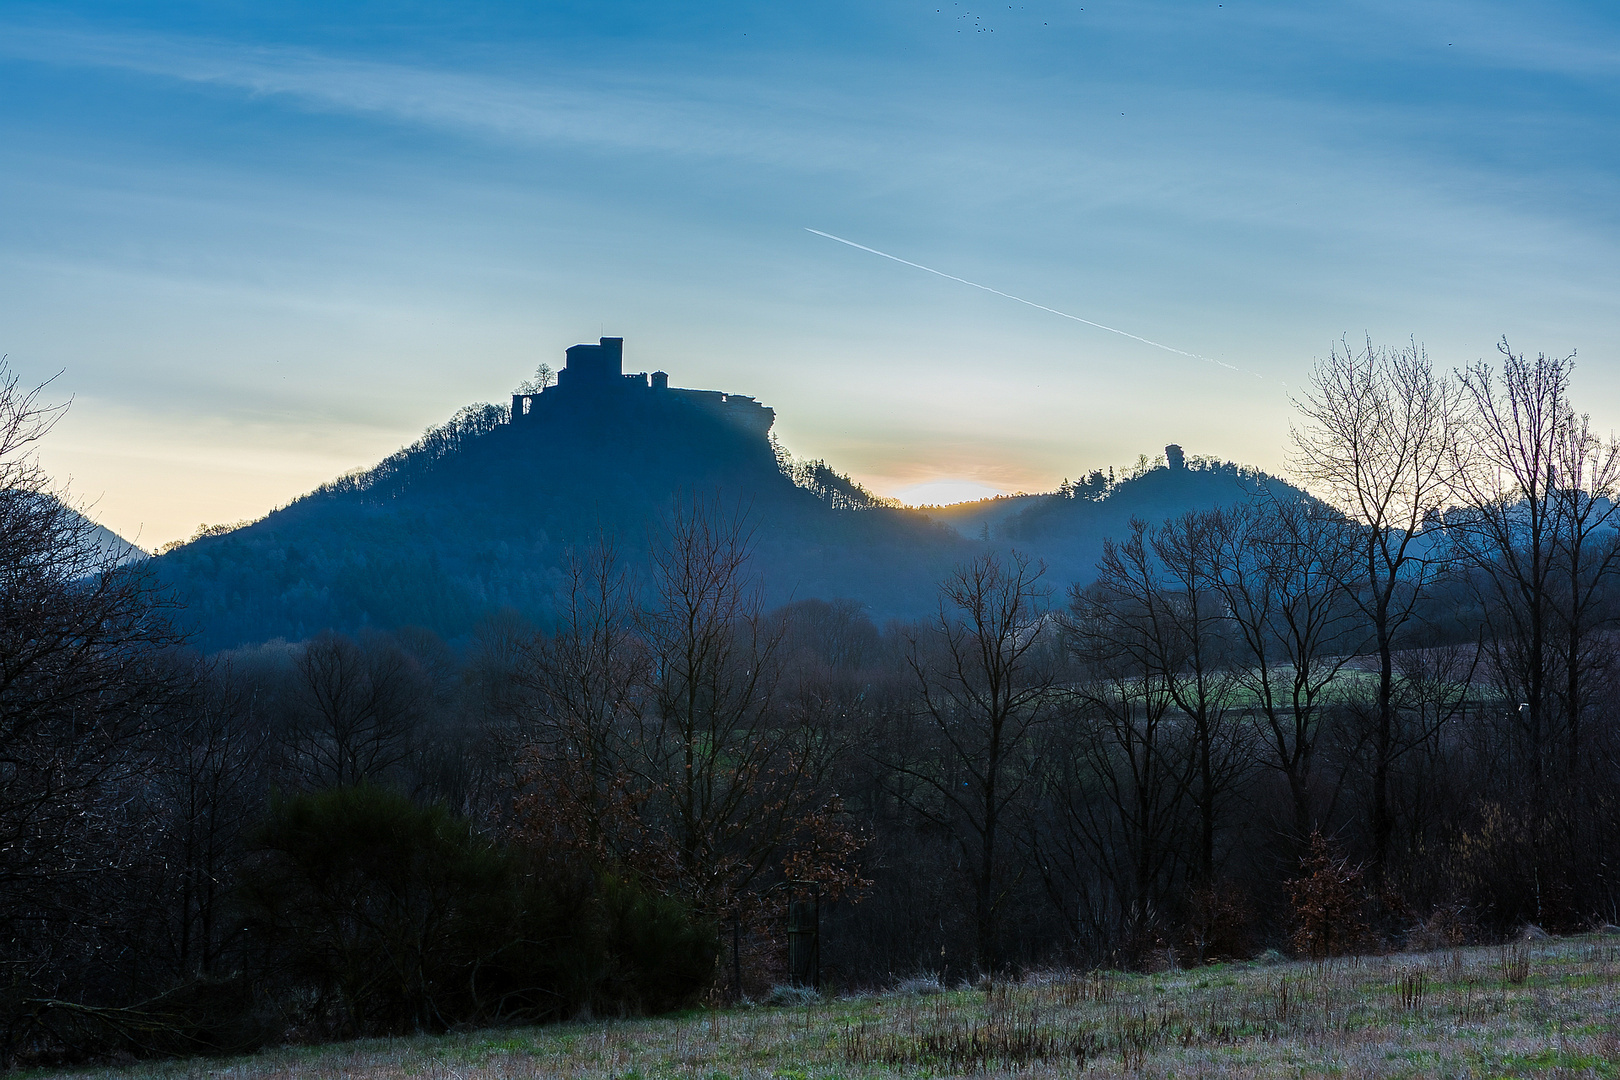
593	379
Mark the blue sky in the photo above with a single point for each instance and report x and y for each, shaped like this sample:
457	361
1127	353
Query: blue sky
266	244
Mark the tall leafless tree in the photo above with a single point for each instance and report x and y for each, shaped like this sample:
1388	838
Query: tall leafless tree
985	674
1191	631
1536	523
719	761
1588	504
1507	528
1377	442
1124	796
84	695
1283	563
356	710
585	687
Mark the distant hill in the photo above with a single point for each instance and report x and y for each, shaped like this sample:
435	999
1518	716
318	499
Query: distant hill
1067	528
479	515
116	546
108	544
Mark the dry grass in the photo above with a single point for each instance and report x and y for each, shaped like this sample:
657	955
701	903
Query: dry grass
1543	1009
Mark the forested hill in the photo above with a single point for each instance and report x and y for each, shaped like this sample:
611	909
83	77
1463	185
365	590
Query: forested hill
1067	528
479	516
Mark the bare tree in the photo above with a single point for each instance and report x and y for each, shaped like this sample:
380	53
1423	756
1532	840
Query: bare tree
1536	529
1377	443
985	674
1283	563
1538	489
1507	528
1125	773
1155	633
1189	628
1588	504
356	711
544	376
583	709
83	695
211	776
719	762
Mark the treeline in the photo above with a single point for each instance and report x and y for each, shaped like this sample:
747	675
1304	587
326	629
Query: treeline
1378	717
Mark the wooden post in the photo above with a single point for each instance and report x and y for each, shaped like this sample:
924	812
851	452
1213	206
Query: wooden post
801	943
815	941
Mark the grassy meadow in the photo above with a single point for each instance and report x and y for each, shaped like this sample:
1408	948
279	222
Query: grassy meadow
1547	1008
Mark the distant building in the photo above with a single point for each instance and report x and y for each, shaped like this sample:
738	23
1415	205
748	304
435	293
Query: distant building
593	376
1173	455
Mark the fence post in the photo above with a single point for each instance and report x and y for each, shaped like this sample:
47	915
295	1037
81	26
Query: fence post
801	943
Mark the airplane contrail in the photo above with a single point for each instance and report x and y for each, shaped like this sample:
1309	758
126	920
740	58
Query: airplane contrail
1033	304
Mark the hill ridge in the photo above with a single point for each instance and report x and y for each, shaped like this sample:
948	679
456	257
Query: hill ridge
480	513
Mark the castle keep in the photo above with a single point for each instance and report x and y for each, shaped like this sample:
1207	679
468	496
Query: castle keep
593	377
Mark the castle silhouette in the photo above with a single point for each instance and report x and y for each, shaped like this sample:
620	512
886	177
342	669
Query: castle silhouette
593	378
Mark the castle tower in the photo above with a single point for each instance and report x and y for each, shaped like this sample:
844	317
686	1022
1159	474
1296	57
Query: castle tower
594	366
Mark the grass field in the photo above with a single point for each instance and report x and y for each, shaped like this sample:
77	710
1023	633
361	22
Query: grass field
1544	1009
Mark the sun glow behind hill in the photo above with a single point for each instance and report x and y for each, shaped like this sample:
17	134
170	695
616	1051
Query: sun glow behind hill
946	492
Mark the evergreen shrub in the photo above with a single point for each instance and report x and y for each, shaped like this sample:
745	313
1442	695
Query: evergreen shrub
373	915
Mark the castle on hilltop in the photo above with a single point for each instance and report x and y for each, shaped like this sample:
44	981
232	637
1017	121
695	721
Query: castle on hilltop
593	376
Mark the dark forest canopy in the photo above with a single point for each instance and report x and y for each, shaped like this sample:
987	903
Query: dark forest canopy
479	514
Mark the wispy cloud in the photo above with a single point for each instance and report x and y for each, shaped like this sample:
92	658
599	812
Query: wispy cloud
1273	172
619	113
1263	159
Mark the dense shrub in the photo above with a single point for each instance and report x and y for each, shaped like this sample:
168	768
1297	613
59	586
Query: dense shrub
659	955
381	916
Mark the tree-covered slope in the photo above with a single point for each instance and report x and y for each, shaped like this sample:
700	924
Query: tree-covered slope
1067	528
479	516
